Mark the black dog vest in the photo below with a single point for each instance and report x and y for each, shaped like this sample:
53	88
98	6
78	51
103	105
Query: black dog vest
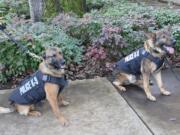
32	90
131	64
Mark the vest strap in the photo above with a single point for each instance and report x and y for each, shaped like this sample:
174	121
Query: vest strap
158	63
56	80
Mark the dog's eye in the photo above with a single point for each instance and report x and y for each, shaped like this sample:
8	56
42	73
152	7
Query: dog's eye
54	55
163	36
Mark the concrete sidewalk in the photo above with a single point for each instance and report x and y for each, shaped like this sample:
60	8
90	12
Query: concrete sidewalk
162	116
96	109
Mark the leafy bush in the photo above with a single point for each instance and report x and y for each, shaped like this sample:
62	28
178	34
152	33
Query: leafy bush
110	33
50	9
50	35
16	62
103	50
96	4
20	7
176	33
135	20
90	44
86	29
36	37
167	17
110	38
77	6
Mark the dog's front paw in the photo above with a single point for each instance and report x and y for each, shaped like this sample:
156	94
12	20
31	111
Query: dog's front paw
121	88
166	93
34	113
64	103
63	121
118	86
152	98
38	114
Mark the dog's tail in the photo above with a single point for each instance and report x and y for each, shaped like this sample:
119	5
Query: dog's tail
6	110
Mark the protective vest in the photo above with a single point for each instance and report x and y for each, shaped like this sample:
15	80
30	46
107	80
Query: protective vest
131	64
31	90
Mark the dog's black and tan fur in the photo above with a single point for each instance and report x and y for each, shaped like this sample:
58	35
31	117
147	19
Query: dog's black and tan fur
51	57
156	45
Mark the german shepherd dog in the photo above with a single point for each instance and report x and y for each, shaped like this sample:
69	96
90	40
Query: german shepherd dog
137	67
23	98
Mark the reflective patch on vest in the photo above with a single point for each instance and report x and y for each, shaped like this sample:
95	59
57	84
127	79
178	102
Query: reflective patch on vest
143	52
45	78
132	56
28	85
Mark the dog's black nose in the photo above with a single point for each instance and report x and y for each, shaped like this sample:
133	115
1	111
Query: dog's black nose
63	62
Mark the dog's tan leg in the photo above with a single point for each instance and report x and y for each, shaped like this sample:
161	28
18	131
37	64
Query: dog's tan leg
22	109
32	107
52	97
147	67
139	83
119	81
146	78
62	101
160	84
26	110
118	84
34	113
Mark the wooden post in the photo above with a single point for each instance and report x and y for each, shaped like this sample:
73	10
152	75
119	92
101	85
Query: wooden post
36	9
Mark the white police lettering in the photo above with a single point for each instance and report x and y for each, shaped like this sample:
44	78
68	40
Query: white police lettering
132	56
28	85
34	82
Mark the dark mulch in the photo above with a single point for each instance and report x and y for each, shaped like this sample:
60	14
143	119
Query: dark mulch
9	85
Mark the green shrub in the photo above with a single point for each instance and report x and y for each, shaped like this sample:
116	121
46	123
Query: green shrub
77	6
85	29
16	62
20	7
86	44
85	32
167	17
96	4
36	38
50	9
50	35
176	33
135	20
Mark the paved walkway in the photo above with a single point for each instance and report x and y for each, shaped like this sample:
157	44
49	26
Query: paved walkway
98	109
163	116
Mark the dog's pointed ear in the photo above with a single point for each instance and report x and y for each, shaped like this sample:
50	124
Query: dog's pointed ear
151	36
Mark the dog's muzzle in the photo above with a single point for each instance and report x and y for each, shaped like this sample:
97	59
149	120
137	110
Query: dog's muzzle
170	48
58	64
